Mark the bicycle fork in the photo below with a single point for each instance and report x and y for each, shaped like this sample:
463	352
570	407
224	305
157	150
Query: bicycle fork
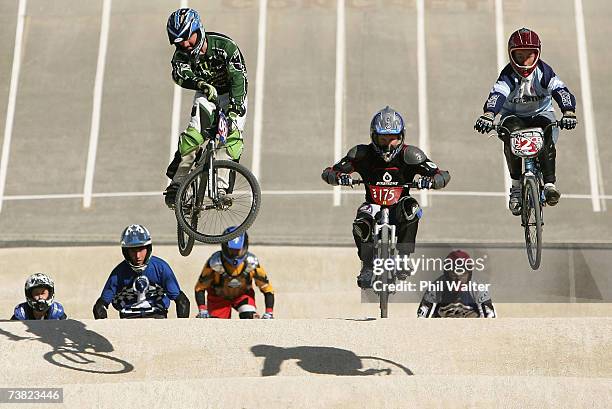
384	224
532	171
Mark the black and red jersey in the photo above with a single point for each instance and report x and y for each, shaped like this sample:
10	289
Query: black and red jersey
375	171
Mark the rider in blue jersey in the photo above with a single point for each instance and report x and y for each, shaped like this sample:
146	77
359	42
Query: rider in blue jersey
40	304
142	285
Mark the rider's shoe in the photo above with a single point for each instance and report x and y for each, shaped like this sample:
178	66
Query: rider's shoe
514	204
364	279
170	195
551	194
403	274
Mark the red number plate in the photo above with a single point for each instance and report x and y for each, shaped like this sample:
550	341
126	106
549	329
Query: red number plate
386	195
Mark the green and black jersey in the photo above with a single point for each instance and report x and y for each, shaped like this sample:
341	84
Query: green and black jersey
222	66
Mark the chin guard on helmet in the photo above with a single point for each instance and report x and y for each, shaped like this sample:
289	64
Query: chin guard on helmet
39	280
387	122
134	236
235	251
524	39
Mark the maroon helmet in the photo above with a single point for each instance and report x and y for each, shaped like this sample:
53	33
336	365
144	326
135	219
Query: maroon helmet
524	39
456	264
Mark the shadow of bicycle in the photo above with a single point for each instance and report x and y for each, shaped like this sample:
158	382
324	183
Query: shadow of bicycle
325	360
74	346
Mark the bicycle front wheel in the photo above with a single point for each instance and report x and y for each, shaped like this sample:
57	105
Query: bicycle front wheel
235	204
532	221
384	254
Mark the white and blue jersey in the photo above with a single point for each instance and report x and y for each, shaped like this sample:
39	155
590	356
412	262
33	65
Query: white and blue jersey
149	292
531	96
24	312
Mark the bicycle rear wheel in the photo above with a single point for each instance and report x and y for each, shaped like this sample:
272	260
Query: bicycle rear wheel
532	221
191	200
215	213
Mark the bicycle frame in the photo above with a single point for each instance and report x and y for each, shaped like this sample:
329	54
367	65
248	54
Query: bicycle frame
383	228
209	155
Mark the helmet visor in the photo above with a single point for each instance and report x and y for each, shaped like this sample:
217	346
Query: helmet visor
236	253
187	43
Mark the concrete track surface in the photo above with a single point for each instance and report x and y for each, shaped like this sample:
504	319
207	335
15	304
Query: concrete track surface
325	349
315	363
549	348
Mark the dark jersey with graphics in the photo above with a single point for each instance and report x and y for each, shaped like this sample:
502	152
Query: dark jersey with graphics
447	299
374	171
222	66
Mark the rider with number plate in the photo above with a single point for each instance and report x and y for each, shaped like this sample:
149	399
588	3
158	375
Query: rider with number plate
212	65
384	164
228	277
142	285
455	294
40	304
525	89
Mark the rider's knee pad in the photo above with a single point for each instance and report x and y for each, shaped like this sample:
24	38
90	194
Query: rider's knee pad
408	210
362	228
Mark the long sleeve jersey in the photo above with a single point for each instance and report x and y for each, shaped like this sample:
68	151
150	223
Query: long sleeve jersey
513	94
222	66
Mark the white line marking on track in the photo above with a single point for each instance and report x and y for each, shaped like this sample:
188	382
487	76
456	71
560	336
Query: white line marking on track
339	91
589	119
422	88
97	104
572	276
281	193
259	88
176	114
10	111
501	63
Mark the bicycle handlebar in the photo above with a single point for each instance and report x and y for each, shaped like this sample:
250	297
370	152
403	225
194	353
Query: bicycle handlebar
411	185
499	127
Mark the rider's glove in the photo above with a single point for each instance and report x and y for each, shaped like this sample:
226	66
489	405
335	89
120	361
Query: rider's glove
425	182
484	123
208	90
203	314
267	316
233	112
568	121
345	180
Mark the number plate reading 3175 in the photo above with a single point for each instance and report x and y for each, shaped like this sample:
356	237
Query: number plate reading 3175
386	195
